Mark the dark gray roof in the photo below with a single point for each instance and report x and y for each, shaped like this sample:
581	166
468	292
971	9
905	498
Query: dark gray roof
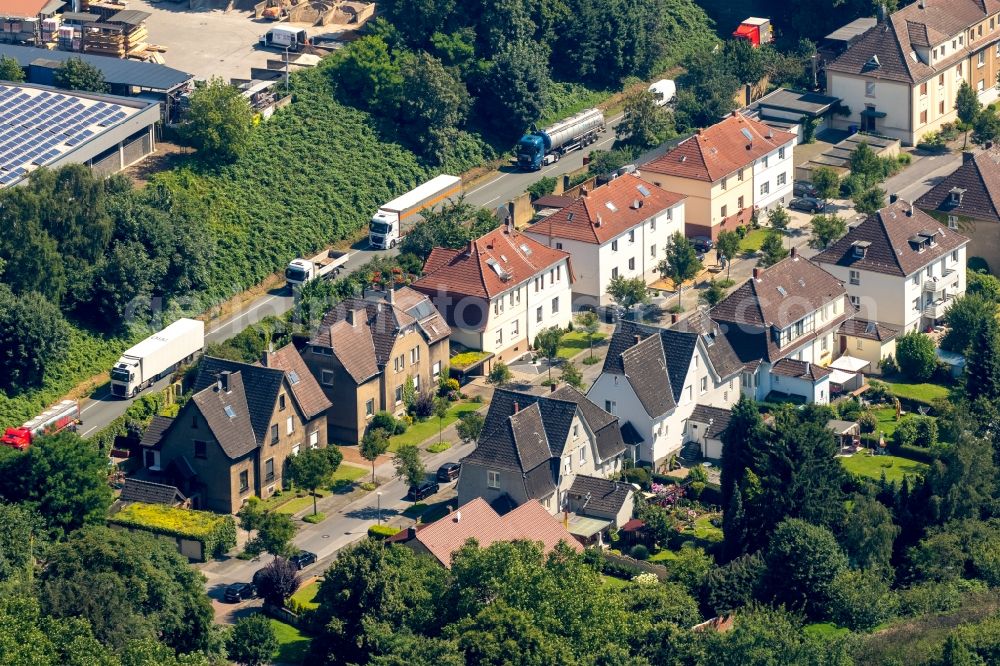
228	416
539	483
137	490
129	17
606	497
115	70
646	371
630	434
792	367
721	354
260	386
870	330
532	445
716	418
607	433
153	436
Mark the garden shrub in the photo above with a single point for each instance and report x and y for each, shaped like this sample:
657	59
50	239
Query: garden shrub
868	421
216	533
382	532
878	392
639	552
423	406
639	475
849	410
916	356
384	421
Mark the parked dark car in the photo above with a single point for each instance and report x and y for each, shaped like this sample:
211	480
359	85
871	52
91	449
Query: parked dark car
803	188
238	592
807	204
424	490
302	559
448	472
702	244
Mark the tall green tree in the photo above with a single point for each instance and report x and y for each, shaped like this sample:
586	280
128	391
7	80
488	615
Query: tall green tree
864	164
63	477
772	249
22	540
433	103
645	123
681	263
963	479
440	411
118	578
277	581
802	562
408	465
982	368
374	443
869	200
34	337
986	127
219	122
547	343
500	375
868	533
916	356
727	245
470	426
967	105
312	468
514	88
252	641
779	219
826	229
713	293
826	181
75	74
572	375
274	533
11	70
965	316
365	73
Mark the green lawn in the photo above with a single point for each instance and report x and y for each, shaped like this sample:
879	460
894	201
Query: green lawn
345	476
419	432
705	530
575	342
887	423
895	467
615	583
925	392
297	504
664	555
307	594
292	644
827	631
753	240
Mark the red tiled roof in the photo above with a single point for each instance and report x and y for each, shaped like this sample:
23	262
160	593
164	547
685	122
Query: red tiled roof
475	270
22	8
477	520
720	150
590	219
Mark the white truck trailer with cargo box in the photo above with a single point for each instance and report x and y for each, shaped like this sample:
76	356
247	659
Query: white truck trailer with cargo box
156	357
325	264
386	229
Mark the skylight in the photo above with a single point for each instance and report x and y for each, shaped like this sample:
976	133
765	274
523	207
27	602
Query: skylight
746	134
643	190
229	412
293	377
613	208
781	290
525	249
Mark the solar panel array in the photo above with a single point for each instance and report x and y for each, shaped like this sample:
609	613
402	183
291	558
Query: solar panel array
37	128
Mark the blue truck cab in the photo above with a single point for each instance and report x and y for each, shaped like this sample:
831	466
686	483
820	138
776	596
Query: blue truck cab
531	151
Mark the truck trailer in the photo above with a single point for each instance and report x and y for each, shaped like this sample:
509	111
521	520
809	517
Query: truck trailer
546	146
325	264
63	416
156	357
391	220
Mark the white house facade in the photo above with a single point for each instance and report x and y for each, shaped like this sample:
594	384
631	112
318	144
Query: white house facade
773	175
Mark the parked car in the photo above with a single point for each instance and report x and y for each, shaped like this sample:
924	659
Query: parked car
302	559
807	204
238	592
803	188
424	490
702	244
448	472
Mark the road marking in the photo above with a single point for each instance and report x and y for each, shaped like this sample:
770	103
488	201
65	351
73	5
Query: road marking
491	200
485	185
239	314
89	431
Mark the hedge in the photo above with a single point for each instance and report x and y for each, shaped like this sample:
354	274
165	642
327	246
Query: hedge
215	532
381	532
913	452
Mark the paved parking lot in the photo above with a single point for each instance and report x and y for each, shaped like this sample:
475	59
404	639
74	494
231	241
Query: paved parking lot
208	42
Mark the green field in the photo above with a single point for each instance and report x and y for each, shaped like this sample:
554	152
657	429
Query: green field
575	342
920	392
825	630
419	432
292	644
895	467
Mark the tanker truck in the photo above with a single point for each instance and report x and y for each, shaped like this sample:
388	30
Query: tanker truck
545	146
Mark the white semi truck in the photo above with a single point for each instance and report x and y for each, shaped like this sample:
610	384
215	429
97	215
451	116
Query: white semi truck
387	224
156	357
325	264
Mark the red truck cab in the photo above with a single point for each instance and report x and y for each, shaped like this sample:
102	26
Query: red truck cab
63	416
17	438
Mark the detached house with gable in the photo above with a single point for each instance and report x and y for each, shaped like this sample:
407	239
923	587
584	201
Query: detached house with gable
557	448
654	378
367	349
968	201
618	229
500	291
901	77
783	325
233	438
902	268
726	171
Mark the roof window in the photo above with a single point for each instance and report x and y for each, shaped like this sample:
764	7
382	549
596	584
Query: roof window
613	208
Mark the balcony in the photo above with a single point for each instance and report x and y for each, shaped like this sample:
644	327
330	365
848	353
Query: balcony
947	281
936	309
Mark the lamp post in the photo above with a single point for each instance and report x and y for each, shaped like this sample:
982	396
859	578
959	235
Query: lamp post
378	499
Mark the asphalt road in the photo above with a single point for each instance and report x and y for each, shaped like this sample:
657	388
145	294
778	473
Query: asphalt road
102	408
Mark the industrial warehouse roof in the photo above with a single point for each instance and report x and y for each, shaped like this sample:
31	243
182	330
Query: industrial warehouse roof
38	126
116	71
28	8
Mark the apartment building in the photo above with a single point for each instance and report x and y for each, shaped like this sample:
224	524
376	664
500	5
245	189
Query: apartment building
901	267
726	171
901	77
500	291
367	349
618	229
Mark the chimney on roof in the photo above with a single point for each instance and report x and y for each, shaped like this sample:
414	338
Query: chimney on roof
881	11
517	407
735	114
893	198
674	317
967	157
921	3
638	339
390	295
223	379
794	252
988	145
636	204
472	247
458	516
909	210
808	367
584	192
552	387
698	131
506	226
756	272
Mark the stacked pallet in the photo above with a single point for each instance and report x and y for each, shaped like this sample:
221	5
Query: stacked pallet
123	34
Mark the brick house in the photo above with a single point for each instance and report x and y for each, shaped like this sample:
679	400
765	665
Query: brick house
233	438
367	349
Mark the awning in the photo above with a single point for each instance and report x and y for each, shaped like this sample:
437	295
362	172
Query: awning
848	364
586	527
842	427
872	113
841	377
